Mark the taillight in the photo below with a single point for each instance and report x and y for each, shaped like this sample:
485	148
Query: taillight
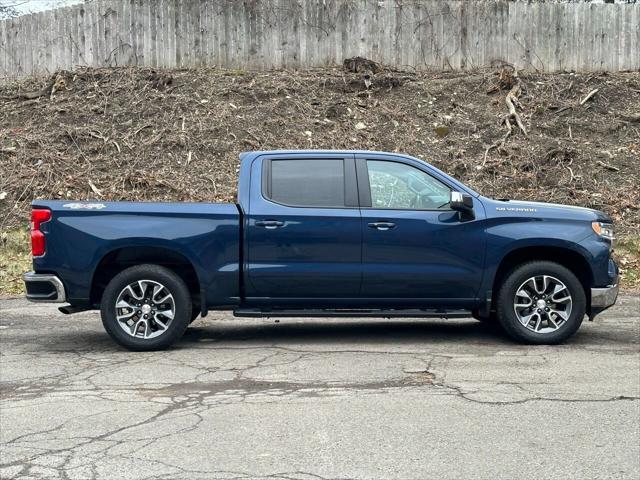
38	216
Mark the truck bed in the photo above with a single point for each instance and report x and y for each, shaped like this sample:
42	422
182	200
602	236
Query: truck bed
83	235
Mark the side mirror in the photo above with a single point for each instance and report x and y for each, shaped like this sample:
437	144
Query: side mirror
463	203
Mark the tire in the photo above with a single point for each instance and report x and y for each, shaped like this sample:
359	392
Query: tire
135	288
560	317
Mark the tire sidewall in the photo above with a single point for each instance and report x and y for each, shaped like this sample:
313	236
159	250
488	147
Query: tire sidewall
172	282
508	318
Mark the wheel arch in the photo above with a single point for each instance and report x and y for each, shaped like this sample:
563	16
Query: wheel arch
573	260
118	259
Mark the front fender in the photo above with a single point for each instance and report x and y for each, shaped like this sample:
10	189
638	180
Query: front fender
508	235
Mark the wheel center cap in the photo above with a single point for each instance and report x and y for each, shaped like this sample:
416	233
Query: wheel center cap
541	304
146	309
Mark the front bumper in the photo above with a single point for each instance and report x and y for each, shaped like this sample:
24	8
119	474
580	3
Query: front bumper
44	287
602	298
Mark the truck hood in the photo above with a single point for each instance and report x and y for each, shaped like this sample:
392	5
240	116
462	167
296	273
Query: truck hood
542	210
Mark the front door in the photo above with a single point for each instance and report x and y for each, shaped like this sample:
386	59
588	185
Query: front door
414	246
303	230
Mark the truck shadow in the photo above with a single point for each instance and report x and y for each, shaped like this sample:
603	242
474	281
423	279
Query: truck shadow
212	334
345	332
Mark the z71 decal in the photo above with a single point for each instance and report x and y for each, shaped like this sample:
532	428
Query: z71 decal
87	206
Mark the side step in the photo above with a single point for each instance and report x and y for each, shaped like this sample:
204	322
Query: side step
350	313
69	309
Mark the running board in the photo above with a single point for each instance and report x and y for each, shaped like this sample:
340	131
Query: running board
69	309
345	312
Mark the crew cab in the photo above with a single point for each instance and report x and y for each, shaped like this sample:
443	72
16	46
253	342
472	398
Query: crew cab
326	233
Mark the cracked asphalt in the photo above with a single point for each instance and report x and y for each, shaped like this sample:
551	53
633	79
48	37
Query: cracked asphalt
313	399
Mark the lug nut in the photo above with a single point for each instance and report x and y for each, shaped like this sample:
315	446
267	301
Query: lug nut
138	312
146	316
546	309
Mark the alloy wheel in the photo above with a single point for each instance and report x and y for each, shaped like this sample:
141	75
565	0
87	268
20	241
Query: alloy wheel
145	309
543	304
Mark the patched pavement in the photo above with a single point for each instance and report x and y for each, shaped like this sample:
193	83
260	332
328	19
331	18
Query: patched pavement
313	399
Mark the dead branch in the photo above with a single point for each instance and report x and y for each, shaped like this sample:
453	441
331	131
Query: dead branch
631	118
46	90
589	95
140	129
512	102
607	166
55	83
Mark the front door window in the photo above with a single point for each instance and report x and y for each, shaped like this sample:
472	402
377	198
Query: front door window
399	186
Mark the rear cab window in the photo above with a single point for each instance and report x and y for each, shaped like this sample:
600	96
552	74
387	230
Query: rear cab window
305	182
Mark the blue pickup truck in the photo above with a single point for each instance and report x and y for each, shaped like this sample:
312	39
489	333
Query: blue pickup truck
326	233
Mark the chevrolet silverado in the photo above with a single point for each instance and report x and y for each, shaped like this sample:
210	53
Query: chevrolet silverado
326	233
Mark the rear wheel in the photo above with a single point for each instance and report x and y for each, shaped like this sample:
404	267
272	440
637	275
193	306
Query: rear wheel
541	303
146	307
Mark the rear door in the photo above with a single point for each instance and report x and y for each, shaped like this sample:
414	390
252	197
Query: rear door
415	247
304	238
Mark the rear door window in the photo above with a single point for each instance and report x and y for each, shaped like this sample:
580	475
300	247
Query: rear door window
306	183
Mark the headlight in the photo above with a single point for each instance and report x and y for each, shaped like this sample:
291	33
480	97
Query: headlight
605	230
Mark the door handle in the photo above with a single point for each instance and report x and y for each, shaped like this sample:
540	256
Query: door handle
269	224
382	225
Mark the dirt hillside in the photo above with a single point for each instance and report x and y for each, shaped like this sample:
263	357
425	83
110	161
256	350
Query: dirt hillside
176	135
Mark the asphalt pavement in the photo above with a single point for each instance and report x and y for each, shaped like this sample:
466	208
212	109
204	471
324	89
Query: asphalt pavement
314	399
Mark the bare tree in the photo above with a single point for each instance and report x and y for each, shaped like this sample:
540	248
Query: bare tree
13	8
8	9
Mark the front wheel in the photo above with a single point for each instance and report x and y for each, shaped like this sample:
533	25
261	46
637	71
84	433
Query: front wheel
541	303
146	307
